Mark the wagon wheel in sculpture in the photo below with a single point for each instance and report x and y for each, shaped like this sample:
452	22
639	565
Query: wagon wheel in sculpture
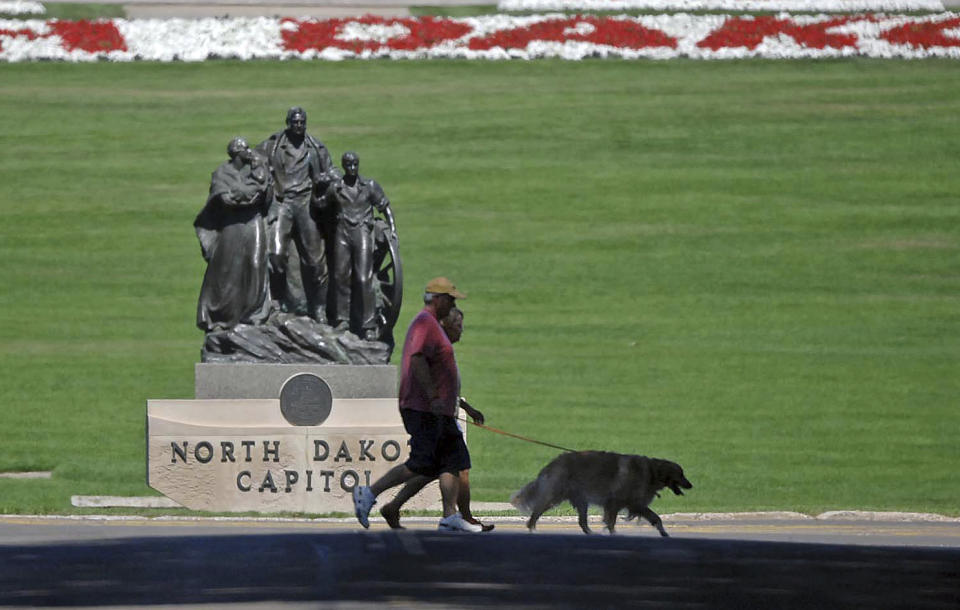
388	274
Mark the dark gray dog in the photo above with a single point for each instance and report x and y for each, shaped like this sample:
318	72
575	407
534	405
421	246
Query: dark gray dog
613	481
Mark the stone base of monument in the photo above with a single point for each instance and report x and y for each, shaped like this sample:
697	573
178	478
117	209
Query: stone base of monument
297	441
246	380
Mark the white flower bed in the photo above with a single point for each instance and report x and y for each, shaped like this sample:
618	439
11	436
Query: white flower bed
199	39
492	37
21	7
721	5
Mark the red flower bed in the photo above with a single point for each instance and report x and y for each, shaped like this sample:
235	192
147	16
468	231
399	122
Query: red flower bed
90	36
924	35
749	33
613	32
727	37
319	35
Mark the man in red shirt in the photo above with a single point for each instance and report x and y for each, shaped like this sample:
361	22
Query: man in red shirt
452	326
429	394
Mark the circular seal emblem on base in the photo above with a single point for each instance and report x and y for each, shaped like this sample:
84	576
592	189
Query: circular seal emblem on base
305	400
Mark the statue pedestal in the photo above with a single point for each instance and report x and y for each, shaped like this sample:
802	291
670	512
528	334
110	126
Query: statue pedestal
243	380
233	449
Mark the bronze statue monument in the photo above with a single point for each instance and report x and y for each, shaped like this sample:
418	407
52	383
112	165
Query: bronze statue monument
346	253
233	241
301	169
352	201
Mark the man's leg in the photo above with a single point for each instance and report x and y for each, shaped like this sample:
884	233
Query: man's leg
449	486
363	272
391	510
463	496
279	230
393	477
365	497
463	502
424	431
341	276
455	458
314	256
452	521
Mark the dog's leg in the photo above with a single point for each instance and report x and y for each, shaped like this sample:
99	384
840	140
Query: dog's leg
537	508
581	506
610	517
532	521
536	511
654	520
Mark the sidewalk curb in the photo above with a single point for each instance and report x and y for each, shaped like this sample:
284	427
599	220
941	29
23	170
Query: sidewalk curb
481	508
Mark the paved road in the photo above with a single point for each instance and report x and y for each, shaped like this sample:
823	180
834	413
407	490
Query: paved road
143	9
146	9
265	564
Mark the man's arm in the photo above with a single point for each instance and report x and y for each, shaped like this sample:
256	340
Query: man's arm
474	414
321	201
324	161
388	214
268	149
323	172
421	372
379	200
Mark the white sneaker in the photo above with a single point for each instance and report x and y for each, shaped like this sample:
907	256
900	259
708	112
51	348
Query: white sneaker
456	523
363	501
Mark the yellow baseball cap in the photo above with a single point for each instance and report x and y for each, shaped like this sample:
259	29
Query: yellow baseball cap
441	285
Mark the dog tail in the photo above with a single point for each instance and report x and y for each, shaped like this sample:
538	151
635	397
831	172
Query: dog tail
521	499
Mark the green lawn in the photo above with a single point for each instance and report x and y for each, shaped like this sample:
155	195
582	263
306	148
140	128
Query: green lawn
752	268
73	10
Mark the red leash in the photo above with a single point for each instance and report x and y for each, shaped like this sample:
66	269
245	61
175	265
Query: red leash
522	438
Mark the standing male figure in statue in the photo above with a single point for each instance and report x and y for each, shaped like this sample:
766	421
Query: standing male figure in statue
352	201
301	168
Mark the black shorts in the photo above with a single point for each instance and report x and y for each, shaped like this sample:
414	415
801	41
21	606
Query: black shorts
436	444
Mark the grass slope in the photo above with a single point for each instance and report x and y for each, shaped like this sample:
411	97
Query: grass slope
748	267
